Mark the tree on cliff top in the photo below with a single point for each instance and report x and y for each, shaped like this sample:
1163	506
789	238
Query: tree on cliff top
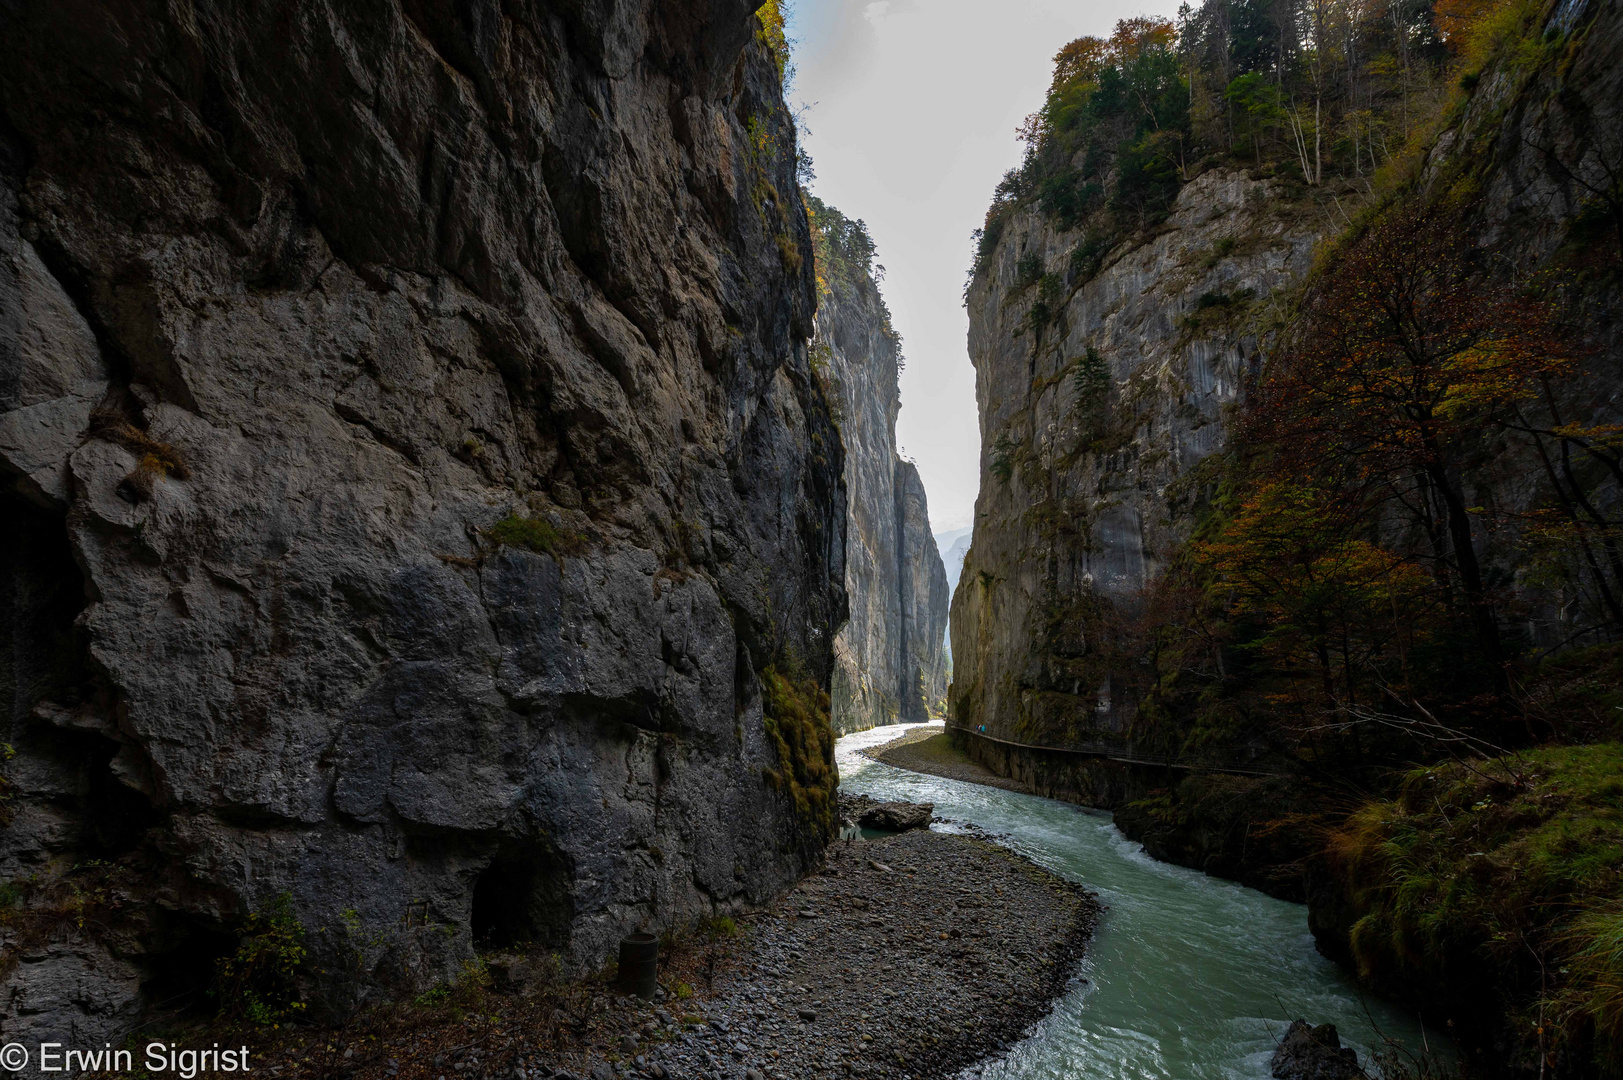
841	246
1309	91
771	30
1120	105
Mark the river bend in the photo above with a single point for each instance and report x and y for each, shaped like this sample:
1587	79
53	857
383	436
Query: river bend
1188	978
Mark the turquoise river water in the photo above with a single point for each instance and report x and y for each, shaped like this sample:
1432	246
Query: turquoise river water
1188	977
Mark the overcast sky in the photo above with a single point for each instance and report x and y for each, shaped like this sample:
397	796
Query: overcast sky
912	111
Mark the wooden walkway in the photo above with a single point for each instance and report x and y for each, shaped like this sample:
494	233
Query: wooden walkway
1238	762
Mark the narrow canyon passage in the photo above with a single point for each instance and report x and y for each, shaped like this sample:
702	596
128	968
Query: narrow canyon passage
1189	977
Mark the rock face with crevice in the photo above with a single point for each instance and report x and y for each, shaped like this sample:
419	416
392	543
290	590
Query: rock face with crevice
412	459
1102	396
890	659
1089	464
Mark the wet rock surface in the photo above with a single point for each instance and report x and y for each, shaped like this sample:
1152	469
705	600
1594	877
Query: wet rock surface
1314	1053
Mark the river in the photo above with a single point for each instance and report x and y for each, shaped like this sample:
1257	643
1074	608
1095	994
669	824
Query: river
1189	977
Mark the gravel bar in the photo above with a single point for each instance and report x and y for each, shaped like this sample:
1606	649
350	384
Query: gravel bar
928	750
909	956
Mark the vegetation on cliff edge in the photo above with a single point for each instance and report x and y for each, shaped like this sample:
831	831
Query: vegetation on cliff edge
1500	873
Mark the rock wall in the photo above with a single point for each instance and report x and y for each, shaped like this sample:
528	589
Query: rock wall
926	602
412	458
1089	463
890	661
1088	483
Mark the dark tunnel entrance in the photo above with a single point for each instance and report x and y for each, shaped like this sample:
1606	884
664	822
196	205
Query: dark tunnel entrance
523	898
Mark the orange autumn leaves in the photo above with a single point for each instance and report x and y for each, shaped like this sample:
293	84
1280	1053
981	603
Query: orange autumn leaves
1083	58
1358	542
1403	348
1078	64
1326	601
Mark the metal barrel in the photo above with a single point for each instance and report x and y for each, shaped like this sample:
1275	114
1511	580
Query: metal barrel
639	964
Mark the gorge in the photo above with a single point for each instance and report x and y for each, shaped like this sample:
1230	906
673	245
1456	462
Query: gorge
453	505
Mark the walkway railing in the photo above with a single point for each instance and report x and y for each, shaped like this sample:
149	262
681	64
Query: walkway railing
1240	761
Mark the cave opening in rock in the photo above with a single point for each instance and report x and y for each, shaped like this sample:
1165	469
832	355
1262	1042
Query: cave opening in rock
523	898
182	978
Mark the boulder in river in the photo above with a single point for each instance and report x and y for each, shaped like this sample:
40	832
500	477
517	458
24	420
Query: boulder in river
1314	1053
897	816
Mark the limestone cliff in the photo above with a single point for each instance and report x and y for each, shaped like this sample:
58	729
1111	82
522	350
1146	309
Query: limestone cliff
1103	382
1095	416
926	602
413	462
890	661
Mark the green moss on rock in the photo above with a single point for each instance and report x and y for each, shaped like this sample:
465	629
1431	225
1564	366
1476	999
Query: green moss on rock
1509	870
532	534
796	716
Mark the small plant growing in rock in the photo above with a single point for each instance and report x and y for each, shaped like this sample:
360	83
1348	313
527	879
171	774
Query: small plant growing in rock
1028	271
154	459
532	534
1091	379
1220	251
722	926
1087	257
1003	458
1050	299
257	983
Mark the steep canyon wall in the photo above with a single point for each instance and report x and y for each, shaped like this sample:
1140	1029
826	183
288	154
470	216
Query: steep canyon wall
1105	400
412	461
890	661
1094	422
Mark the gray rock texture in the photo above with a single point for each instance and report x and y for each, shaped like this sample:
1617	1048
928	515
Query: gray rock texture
458	465
1082	491
1085	493
1314	1053
890	659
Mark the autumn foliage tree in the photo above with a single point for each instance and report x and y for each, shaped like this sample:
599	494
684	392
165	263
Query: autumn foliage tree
1404	355
1336	617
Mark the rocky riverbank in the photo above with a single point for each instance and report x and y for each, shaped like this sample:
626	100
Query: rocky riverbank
908	957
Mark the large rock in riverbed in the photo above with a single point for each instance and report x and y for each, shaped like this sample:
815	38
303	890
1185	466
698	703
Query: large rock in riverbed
1314	1053
897	816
